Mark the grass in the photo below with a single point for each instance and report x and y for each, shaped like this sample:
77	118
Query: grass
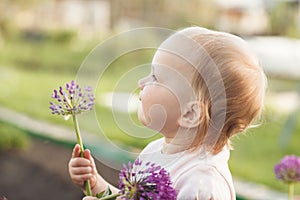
12	138
43	56
27	88
28	92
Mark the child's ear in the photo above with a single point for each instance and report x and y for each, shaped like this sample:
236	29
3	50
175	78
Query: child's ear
190	118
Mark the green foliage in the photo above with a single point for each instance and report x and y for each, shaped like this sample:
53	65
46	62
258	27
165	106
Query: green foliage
258	150
62	36
12	138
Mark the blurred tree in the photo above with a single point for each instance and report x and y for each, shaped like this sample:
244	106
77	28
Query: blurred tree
163	13
281	13
7	9
5	22
196	12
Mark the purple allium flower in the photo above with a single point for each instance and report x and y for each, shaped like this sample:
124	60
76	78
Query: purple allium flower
149	181
288	170
72	101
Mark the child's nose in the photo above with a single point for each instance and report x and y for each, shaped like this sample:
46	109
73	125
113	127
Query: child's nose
142	82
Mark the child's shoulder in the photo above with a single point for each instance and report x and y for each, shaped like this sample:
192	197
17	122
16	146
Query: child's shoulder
154	145
204	182
203	175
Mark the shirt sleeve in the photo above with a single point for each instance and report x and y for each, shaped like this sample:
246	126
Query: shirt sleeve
203	184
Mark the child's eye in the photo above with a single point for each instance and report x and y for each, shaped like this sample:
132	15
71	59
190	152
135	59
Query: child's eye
154	77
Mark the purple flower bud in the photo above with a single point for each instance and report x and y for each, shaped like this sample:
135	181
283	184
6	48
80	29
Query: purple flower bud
92	99
88	89
54	95
61	90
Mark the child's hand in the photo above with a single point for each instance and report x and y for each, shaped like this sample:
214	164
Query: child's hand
82	169
90	198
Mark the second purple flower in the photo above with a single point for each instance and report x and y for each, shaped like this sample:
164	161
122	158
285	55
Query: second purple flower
288	170
148	181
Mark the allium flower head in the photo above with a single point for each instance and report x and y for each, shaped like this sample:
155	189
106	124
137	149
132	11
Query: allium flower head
149	181
72	100
288	170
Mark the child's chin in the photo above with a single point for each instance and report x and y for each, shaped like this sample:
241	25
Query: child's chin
144	122
142	119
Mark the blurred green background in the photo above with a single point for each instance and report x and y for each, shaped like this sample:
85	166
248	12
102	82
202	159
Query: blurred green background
43	43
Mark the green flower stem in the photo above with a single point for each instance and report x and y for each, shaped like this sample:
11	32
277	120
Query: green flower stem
79	141
108	197
291	191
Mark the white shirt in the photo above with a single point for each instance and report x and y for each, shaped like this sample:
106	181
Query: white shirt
195	175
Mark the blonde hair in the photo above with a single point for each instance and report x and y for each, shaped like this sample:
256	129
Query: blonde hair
244	83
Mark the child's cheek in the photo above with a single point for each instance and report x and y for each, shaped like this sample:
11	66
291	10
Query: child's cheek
146	102
157	117
152	112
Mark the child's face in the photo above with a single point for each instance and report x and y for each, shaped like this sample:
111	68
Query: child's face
164	92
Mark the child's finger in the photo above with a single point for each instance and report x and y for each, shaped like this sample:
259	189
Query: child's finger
87	154
76	151
81	170
80	179
80	162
